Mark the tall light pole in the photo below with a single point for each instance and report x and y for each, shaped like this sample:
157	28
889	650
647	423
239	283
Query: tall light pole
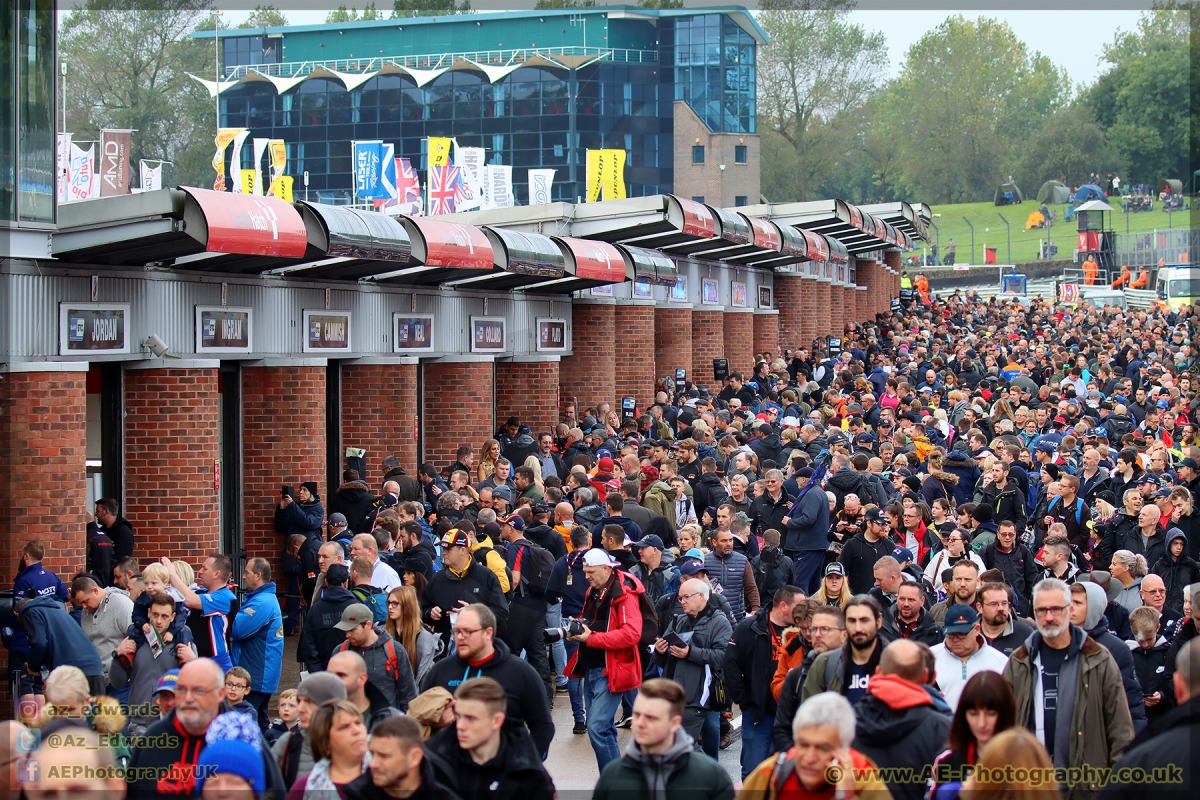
62	69
217	63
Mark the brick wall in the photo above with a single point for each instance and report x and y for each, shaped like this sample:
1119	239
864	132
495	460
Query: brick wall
283	443
718	187
837	310
766	334
708	342
43	447
672	341
739	340
866	273
634	370
459	400
379	409
790	300
171	446
589	373
528	390
822	297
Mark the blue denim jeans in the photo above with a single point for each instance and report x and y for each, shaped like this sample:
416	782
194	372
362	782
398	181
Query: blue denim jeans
757	742
601	707
711	739
558	650
575	687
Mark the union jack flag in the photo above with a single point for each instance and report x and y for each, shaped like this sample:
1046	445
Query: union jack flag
445	189
408	192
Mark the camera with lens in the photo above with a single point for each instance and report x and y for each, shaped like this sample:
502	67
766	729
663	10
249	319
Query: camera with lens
571	627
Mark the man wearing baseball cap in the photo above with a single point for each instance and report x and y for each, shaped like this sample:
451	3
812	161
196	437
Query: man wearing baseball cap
389	670
963	653
460	582
609	659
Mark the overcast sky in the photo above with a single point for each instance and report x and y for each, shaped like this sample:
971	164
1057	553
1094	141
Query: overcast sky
1072	39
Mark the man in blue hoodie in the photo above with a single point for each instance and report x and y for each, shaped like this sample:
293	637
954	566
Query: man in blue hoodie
55	638
257	635
614	504
807	531
33	580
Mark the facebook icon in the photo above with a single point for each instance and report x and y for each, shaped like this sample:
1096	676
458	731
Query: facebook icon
29	770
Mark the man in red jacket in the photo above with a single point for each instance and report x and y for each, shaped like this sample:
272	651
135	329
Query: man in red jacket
608	659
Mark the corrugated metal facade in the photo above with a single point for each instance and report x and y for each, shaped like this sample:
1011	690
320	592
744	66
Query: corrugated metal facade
165	305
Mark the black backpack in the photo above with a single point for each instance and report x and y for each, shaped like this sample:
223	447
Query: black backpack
536	566
649	621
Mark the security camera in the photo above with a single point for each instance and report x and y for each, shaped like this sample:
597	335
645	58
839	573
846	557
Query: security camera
157	346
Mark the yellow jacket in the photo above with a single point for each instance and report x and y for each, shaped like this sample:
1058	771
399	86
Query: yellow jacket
764	782
495	562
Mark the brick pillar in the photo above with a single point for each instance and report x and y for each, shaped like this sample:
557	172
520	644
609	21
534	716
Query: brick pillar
171	446
837	310
790	303
283	443
892	259
820	307
867	274
43	448
459	405
809	322
672	340
528	389
739	340
379	414
766	332
862	305
633	373
589	373
708	342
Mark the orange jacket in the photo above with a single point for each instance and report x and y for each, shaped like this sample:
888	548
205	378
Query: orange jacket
791	652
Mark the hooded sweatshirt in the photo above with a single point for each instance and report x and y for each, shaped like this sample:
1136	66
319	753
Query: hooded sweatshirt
1097	627
898	726
1176	572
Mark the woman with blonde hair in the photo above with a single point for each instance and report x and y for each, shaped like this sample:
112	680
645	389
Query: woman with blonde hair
403	624
835	589
534	464
1013	766
487	460
69	702
691	536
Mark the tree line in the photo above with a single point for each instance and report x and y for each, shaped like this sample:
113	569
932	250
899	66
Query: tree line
971	106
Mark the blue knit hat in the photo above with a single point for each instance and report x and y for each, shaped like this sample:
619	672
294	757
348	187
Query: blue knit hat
233	756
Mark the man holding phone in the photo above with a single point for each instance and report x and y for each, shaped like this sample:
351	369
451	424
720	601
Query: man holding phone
691	651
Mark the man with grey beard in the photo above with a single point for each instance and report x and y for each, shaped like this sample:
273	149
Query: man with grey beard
1068	690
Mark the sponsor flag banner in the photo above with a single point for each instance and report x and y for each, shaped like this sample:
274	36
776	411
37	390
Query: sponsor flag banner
613	174
114	162
151	177
439	151
84	183
367	168
470	161
593	175
235	161
408	192
387	174
283	189
278	150
225	137
64	166
247	180
260	147
541	181
499	179
445	189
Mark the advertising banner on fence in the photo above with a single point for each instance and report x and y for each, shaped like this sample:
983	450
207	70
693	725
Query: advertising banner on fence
114	162
224	137
541	183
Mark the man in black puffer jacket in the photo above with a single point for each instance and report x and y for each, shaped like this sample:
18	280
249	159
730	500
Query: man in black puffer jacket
354	500
897	723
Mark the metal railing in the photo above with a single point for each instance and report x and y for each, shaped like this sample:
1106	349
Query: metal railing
1174	246
490	58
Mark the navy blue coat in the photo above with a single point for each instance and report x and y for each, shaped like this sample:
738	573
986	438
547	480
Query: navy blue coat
56	639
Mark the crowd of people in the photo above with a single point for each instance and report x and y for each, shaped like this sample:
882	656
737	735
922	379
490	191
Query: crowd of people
956	556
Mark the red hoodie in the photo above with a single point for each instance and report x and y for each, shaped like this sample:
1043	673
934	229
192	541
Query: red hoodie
897	693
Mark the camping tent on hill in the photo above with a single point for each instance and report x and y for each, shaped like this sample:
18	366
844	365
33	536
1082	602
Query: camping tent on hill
1008	194
1087	192
1054	193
